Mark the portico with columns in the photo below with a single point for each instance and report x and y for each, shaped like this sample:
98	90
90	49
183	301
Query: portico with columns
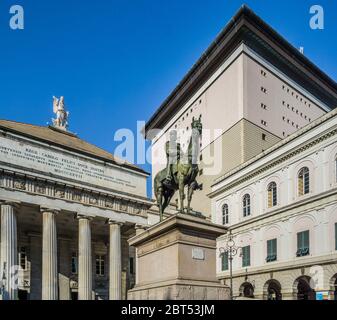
67	211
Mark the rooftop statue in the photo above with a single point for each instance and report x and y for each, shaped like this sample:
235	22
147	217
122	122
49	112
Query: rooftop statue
61	121
181	171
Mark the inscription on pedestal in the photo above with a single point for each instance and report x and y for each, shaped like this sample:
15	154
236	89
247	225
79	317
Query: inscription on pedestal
198	254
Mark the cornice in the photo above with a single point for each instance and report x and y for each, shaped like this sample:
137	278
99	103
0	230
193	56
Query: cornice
51	189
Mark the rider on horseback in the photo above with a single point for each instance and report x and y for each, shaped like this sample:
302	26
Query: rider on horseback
172	149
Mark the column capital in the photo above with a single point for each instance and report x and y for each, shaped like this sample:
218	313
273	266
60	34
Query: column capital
46	209
80	216
114	222
15	204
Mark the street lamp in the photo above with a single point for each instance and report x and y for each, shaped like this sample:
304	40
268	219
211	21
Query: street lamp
232	250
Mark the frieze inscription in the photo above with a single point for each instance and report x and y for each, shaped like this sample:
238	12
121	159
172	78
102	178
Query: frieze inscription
69	166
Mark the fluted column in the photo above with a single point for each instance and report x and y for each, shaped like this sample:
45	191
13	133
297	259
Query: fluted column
8	258
85	259
49	256
115	265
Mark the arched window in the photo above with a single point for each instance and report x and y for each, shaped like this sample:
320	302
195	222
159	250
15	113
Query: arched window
303	181
246	205
272	194
225	214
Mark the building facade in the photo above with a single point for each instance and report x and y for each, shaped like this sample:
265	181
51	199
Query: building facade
251	89
67	210
281	209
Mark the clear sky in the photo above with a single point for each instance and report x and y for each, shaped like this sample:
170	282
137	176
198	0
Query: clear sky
116	61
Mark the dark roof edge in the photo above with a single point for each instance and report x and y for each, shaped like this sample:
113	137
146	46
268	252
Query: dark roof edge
244	11
88	154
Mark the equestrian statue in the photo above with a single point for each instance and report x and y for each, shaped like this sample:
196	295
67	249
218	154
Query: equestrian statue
181	171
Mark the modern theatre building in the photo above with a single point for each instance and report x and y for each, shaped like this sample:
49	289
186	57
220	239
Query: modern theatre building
268	160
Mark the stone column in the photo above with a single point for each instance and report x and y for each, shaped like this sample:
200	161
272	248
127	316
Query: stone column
85	259
49	255
8	258
115	265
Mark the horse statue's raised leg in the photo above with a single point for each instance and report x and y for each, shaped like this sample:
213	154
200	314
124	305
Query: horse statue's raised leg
181	195
191	187
189	198
159	196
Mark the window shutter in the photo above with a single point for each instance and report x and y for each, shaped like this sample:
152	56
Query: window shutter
270	198
271	250
275	197
303	243
306	183
306	239
224	260
299	241
300	185
246	256
335	236
274	247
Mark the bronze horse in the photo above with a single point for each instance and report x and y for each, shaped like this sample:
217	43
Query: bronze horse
184	174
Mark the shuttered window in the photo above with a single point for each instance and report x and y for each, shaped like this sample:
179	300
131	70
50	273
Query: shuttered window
303	244
246	205
271	250
246	256
224	261
225	214
272	194
303	181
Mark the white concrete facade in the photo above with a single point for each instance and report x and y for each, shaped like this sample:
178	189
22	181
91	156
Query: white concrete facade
314	147
245	87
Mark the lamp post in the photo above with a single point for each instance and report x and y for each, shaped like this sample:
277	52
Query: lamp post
232	250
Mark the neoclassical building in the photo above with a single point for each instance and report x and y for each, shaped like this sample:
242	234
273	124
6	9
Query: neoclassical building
281	209
67	210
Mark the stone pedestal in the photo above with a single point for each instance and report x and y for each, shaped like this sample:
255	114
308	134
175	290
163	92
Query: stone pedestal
176	260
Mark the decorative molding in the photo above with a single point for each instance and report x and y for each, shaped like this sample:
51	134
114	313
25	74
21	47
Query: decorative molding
110	221
44	209
29	184
265	167
83	216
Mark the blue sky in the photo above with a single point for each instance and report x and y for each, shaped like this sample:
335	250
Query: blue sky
116	61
